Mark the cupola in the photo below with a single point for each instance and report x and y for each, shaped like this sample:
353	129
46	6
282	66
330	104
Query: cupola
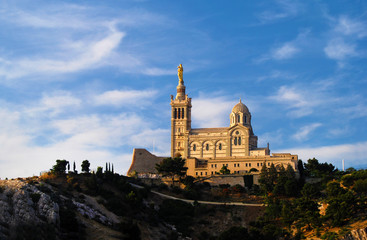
240	115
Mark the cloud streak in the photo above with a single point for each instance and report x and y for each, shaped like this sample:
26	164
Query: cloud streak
305	131
119	98
354	153
338	49
91	56
286	9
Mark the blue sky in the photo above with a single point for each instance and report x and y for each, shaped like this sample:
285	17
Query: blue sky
92	79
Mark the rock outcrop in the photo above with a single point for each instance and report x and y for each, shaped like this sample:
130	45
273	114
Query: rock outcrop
358	234
23	203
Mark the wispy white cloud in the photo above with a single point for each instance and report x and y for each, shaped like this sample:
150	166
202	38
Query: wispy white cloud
305	131
275	137
295	100
285	9
72	38
123	97
277	75
338	49
357	110
354	153
158	71
91	56
57	101
155	140
91	137
62	16
286	50
344	37
211	111
50	129
348	26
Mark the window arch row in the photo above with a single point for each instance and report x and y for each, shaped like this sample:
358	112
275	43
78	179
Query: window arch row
179	113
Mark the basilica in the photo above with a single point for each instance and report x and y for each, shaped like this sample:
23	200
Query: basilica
207	150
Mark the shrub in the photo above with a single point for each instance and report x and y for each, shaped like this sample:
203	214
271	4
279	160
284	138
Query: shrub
47	176
238	189
360	186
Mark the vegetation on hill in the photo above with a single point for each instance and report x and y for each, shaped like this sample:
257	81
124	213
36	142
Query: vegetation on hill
323	198
322	203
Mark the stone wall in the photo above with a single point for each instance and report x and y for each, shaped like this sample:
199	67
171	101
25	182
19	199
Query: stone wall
225	179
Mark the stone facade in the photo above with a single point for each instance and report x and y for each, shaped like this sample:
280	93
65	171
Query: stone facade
207	150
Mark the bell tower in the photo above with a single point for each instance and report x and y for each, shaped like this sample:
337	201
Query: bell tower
180	119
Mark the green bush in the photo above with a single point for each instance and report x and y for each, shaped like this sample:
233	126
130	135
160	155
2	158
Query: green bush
360	186
238	189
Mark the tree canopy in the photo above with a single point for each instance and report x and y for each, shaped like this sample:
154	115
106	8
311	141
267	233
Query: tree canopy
85	166
172	167
60	166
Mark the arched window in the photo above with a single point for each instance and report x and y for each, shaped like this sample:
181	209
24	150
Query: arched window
220	146
183	113
207	146
238	118
239	140
175	114
179	113
194	147
245	119
235	141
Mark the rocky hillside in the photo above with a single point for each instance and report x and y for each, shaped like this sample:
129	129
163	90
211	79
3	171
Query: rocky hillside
55	209
110	206
77	206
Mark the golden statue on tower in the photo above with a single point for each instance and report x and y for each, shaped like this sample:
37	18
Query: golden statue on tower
180	73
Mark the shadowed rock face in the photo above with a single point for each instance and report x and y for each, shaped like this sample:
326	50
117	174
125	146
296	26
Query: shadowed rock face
358	234
25	204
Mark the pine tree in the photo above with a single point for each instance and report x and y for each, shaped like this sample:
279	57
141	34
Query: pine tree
74	167
112	168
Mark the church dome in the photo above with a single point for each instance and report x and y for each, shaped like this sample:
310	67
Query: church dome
240	107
